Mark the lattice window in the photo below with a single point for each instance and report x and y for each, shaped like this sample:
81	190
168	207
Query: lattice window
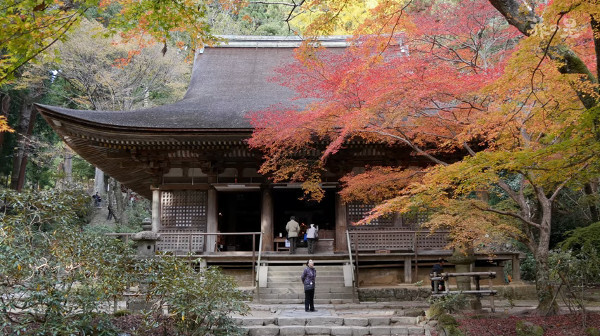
184	209
358	211
414	219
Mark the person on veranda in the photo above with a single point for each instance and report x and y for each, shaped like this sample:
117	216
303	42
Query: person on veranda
292	228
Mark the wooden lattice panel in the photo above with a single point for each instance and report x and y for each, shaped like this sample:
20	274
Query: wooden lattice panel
180	242
358	211
184	209
396	241
432	241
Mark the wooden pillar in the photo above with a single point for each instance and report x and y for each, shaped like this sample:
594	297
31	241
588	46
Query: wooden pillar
516	268
266	219
155	209
341	225
407	270
211	219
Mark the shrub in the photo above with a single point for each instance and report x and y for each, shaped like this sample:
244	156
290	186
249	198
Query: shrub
200	302
55	279
584	236
448	303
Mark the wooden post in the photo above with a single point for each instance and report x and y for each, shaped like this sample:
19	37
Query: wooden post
491	282
356	257
407	270
155	209
341	225
253	256
211	220
266	219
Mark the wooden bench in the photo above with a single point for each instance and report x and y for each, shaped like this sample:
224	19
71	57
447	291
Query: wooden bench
477	276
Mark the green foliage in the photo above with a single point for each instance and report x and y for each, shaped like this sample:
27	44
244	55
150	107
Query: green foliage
591	331
200	302
528	267
584	237
136	212
450	303
55	277
528	329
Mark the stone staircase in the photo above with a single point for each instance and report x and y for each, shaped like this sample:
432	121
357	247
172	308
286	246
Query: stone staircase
331	322
285	287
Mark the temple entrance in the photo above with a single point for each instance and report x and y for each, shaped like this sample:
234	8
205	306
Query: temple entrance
287	203
238	212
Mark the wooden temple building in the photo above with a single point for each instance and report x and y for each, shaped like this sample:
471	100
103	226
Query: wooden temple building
191	159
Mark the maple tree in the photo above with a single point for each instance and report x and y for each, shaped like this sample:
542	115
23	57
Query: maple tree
510	89
30	27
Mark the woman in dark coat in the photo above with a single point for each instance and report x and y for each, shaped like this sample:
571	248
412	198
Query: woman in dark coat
308	279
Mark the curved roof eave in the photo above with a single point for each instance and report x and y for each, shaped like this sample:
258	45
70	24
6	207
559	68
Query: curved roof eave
55	115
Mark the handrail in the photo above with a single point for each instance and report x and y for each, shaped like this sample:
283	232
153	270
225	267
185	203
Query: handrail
184	233
257	267
350	254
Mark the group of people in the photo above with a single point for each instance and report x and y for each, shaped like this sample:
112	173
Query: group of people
294	232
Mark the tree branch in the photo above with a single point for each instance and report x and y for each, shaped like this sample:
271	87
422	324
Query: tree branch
511	214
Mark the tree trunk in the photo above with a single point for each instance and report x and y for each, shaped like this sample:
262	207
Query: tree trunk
116	201
99	186
68	165
589	191
547	304
24	130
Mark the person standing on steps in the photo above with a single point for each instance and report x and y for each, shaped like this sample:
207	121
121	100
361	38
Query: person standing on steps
308	279
292	229
311	237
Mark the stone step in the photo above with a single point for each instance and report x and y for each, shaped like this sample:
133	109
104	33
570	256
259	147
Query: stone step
330	325
298	273
296	279
318	302
320	284
294	297
318	292
302	267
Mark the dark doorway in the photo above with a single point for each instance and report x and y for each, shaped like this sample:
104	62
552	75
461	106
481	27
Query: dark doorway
238	212
287	203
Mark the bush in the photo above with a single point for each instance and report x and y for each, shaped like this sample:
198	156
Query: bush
55	279
447	304
200	302
588	236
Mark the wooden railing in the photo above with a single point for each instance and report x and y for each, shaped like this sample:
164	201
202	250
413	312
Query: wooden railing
184	243
397	240
390	240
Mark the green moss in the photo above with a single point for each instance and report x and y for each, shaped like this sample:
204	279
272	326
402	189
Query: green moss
447	320
591	331
525	328
122	312
453	331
